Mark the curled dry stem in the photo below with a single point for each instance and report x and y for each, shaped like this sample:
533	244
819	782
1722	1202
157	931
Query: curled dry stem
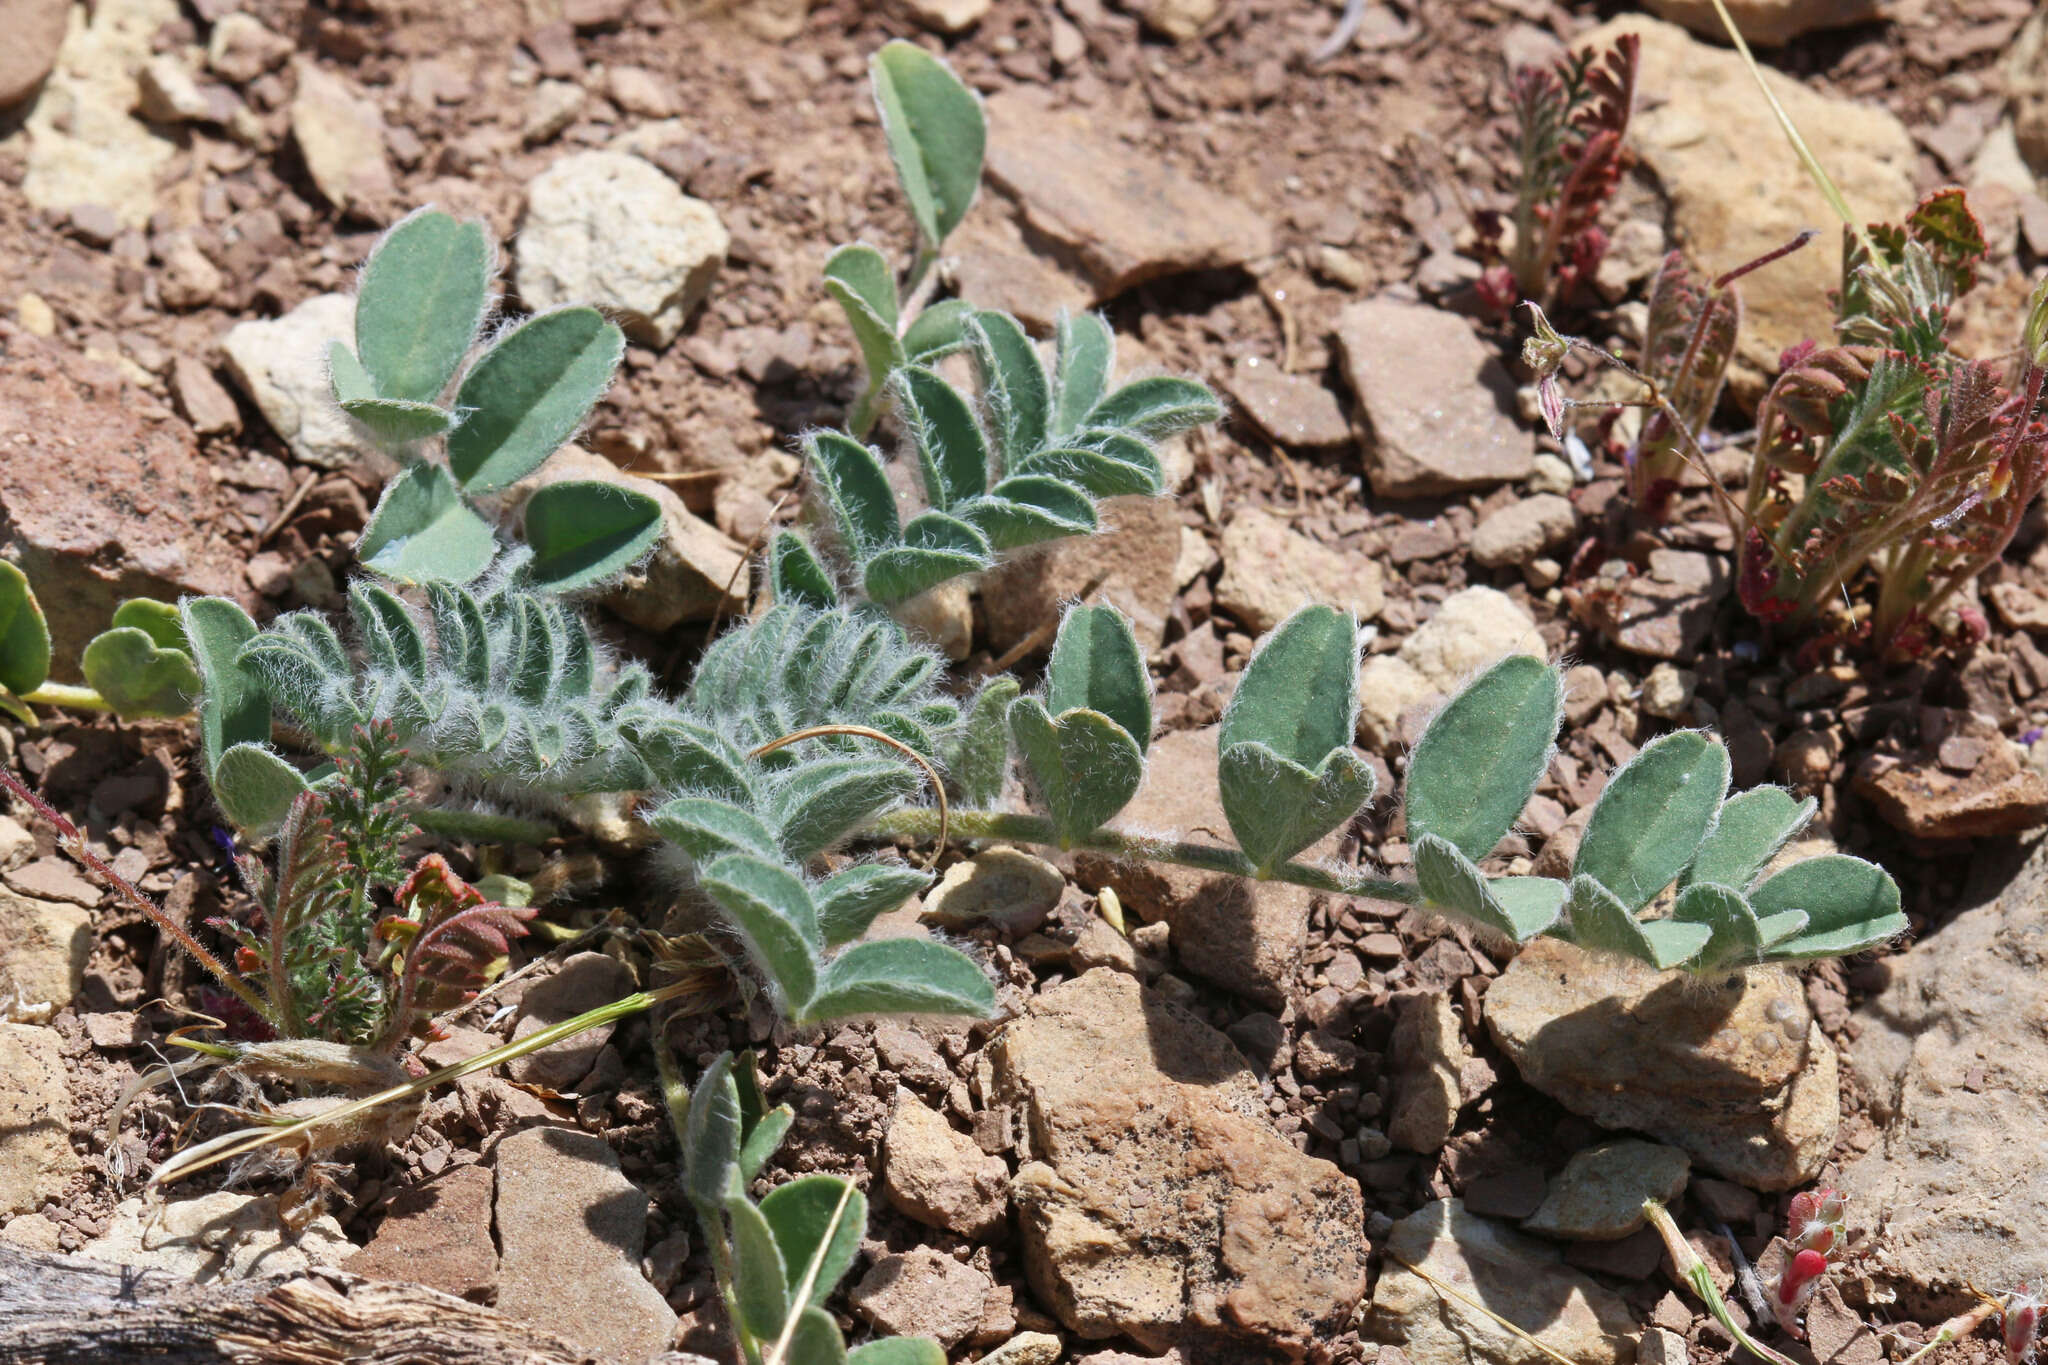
866	732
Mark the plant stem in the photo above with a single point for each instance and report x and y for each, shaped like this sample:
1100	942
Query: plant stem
481	826
976	826
70	697
1701	1279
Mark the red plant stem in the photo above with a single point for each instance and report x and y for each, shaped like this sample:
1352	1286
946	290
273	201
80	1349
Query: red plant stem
77	847
1774	254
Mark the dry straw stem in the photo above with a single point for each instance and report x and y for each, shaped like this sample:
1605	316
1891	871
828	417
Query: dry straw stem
1695	1273
1467	1301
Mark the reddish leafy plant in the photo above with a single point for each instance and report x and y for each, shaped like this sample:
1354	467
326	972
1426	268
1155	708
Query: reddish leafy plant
1814	1229
1569	122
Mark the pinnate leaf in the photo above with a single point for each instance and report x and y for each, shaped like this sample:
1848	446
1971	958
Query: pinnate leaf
1479	759
952	453
1600	922
1085	355
1157	407
711	1135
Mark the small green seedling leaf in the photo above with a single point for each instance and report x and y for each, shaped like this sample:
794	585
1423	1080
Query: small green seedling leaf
1657	810
528	393
1286	771
850	477
901	976
1029	509
951	452
1085	356
396	424
137	676
818	1218
422	531
424	293
24	635
1085	766
1850	906
1600	922
1013	384
1752	827
796	574
1479	759
255	788
711	1136
860	281
762	1139
586	532
1096	665
849	901
815	1340
235	709
1513	908
937	332
1157	407
760	1275
936	135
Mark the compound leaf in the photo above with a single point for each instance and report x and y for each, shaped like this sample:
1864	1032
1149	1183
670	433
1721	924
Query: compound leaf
935	547
423	531
772	909
1277	807
424	292
137	676
1738	936
825	800
1028	509
936	135
585	532
706	827
1479	759
1096	665
1657	810
1129	466
901	976
1085	766
528	393
1602	923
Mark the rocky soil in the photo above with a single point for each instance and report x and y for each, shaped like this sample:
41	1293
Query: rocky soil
1264	1124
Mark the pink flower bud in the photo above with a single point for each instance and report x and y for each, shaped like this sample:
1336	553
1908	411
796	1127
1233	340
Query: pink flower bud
1795	1287
2022	1324
1815	1220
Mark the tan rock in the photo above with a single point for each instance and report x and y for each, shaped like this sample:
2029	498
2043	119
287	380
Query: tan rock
1599	1194
1179	20
1737	190
935	1174
1244	936
35	30
1006	887
571	1228
1523	529
36	1160
1916	795
1133	217
281	363
1953	1054
209	407
995	265
1734	1071
607	228
1427	1051
1155	1199
947	16
44	946
226	1235
341	136
438	1234
921	1293
1270	570
1519	1278
1291	409
1767	22
1439	404
1131	563
85	146
240	48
